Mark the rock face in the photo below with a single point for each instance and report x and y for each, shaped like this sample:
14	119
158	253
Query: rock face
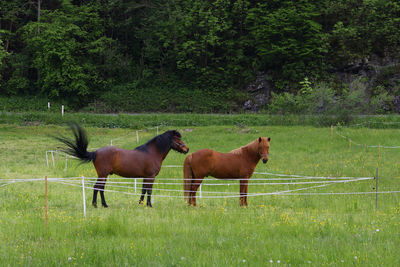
374	72
259	92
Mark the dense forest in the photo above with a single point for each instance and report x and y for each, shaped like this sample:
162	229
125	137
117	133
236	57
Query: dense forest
201	55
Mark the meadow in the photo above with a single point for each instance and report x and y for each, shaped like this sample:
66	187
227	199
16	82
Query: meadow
308	227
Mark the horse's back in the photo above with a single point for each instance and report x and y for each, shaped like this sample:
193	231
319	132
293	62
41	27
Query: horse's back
207	162
126	163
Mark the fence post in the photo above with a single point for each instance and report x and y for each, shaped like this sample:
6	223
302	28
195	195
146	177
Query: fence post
201	195
379	153
135	184
376	187
52	158
45	202
66	164
83	196
62	110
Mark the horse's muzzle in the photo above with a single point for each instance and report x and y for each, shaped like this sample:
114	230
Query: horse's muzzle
265	160
184	149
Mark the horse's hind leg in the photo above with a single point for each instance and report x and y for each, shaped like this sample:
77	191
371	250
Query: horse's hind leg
243	192
149	182
99	186
94	200
196	182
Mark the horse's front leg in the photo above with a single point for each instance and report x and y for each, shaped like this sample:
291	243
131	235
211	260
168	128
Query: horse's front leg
143	193
243	191
147	188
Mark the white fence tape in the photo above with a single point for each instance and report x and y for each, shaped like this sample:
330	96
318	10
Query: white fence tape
322	184
284	192
358	144
80	181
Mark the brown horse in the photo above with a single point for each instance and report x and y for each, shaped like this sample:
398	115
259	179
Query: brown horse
237	164
144	161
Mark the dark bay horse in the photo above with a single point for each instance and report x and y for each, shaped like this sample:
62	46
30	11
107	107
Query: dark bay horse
144	161
237	164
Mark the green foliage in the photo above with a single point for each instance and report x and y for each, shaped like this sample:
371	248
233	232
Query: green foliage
324	100
169	97
27	104
82	52
305	86
3	54
67	47
288	38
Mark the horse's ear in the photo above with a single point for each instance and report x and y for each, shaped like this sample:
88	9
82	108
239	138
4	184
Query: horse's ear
176	133
269	138
259	139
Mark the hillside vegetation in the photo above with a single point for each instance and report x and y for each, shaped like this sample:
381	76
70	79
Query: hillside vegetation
198	56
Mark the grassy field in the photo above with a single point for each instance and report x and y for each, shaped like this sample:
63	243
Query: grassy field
300	229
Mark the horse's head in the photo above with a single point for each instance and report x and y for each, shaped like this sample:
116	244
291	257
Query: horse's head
263	148
177	143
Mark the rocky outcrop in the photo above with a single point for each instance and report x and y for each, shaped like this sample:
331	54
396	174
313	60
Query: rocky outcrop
259	92
377	74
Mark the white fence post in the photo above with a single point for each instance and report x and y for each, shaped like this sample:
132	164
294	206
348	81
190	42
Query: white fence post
52	157
62	110
83	195
47	159
135	184
66	164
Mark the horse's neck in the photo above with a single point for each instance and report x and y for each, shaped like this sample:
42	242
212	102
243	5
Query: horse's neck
248	151
157	154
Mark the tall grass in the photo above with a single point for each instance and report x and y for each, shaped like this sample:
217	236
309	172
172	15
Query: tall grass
140	121
272	230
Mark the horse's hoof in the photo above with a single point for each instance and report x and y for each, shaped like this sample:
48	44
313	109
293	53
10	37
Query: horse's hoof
105	205
149	206
94	204
140	202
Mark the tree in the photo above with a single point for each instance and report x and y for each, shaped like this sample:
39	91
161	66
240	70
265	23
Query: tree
68	52
288	39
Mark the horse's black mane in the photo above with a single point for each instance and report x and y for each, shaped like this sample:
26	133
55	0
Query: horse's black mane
162	141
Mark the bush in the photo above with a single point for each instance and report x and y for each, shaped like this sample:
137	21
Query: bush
136	97
317	100
28	103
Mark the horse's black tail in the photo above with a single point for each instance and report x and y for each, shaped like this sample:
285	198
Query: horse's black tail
77	147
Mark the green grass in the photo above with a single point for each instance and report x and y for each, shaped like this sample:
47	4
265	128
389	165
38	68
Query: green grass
294	230
140	121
